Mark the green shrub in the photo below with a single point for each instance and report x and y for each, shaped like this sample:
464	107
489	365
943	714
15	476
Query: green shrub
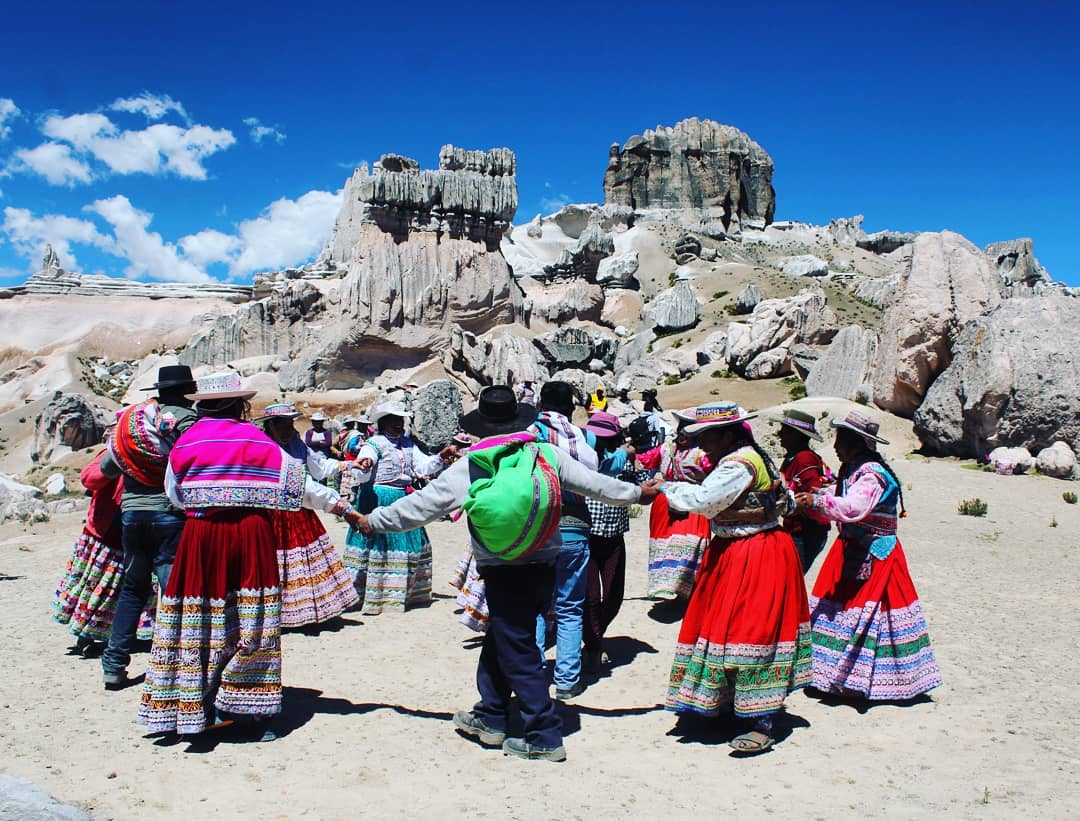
1069	497
634	511
723	373
824	415
861	398
673	379
972	507
720	294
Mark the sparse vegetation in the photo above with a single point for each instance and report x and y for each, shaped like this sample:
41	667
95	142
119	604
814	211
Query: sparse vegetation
972	507
861	398
730	308
720	294
723	373
673	379
1069	497
1053	521
824	415
796	387
634	511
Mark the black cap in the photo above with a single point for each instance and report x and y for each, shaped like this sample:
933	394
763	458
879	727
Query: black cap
172	376
498	411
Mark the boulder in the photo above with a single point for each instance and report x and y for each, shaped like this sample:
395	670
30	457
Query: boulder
713	349
687	249
846	231
805	265
26	801
18	501
675	309
779	323
618	271
55	484
944	283
769	364
804	358
564	301
573	219
885	242
1058	461
1010	461
844	368
535	228
68	422
878	291
657	367
1013	381
582	382
571	347
436	410
747	300
498	357
699	165
1016	264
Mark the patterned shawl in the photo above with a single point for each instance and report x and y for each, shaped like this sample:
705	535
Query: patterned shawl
139	444
226	463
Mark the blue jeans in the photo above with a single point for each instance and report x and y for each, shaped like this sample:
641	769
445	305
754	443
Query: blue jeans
509	661
570	578
810	541
150	539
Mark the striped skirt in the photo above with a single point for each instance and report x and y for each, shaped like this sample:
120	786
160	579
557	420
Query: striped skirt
472	594
315	586
745	638
217	641
869	636
676	542
390	570
87	595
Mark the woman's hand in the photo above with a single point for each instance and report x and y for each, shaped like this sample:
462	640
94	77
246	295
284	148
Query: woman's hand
364	464
449	454
650	490
804	500
359	521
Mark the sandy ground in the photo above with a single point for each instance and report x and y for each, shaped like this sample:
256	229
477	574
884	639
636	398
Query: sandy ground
366	728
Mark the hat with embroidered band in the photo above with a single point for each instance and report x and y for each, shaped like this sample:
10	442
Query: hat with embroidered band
604	424
800	421
318	416
280	410
224	385
865	427
388	408
172	376
498	411
685	415
720	414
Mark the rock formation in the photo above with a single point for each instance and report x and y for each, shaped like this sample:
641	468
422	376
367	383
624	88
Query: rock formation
436	411
18	500
1012	381
502	356
700	165
843	369
805	265
1016	264
945	282
760	348
675	309
574	347
68	422
618	271
1058	461
747	300
885	242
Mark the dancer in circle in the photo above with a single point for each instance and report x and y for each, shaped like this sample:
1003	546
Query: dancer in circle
803	472
745	638
315	586
869	634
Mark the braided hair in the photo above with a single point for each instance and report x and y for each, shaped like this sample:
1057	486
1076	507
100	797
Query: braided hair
745	436
868	454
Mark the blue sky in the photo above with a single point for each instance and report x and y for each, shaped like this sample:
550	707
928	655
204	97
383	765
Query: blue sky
179	141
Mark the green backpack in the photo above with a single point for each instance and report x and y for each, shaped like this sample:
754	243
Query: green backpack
513	510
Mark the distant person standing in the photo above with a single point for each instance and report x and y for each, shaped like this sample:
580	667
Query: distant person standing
598	401
139	449
526	392
317	437
652	404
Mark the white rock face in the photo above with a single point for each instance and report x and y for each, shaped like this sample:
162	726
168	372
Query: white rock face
55	484
647	373
713	349
498	357
618	271
1058	461
676	309
563	301
945	282
1011	460
805	265
18	500
778	324
844	368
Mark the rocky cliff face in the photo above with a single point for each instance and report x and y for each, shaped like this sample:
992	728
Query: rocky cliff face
422	252
697	164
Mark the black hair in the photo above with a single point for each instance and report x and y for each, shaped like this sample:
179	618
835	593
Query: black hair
868	454
742	436
232	408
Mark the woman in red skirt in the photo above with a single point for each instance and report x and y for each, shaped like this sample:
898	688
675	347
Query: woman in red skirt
869	635
216	656
745	638
676	538
315	586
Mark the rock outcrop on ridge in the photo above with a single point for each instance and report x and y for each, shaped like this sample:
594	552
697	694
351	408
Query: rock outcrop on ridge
68	422
698	165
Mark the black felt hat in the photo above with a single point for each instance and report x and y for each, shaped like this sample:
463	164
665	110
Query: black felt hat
172	376
498	411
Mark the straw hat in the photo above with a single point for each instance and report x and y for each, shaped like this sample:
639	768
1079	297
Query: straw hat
318	416
717	415
219	386
800	421
279	410
388	408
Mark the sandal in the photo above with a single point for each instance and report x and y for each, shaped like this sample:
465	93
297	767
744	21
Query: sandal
752	743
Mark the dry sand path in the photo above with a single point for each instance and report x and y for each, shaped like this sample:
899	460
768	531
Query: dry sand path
368	706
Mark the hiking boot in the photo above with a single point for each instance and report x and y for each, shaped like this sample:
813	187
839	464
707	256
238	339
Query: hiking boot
523	749
567	693
466	723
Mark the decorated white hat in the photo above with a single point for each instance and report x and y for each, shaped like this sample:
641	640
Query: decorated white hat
224	385
318	416
279	410
718	414
389	408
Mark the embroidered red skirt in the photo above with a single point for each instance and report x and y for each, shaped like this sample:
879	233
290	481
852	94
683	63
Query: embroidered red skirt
745	638
315	586
676	542
217	640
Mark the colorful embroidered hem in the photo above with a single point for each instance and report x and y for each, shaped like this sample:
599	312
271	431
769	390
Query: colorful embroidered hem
676	544
220	652
754	679
472	594
390	570
315	586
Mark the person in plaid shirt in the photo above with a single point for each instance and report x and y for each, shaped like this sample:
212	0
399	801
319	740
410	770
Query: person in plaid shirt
606	572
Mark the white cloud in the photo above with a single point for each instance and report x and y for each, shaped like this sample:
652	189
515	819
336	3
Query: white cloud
209	246
29	235
287	233
260	132
154	150
53	161
154	106
8	111
146	252
551	204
